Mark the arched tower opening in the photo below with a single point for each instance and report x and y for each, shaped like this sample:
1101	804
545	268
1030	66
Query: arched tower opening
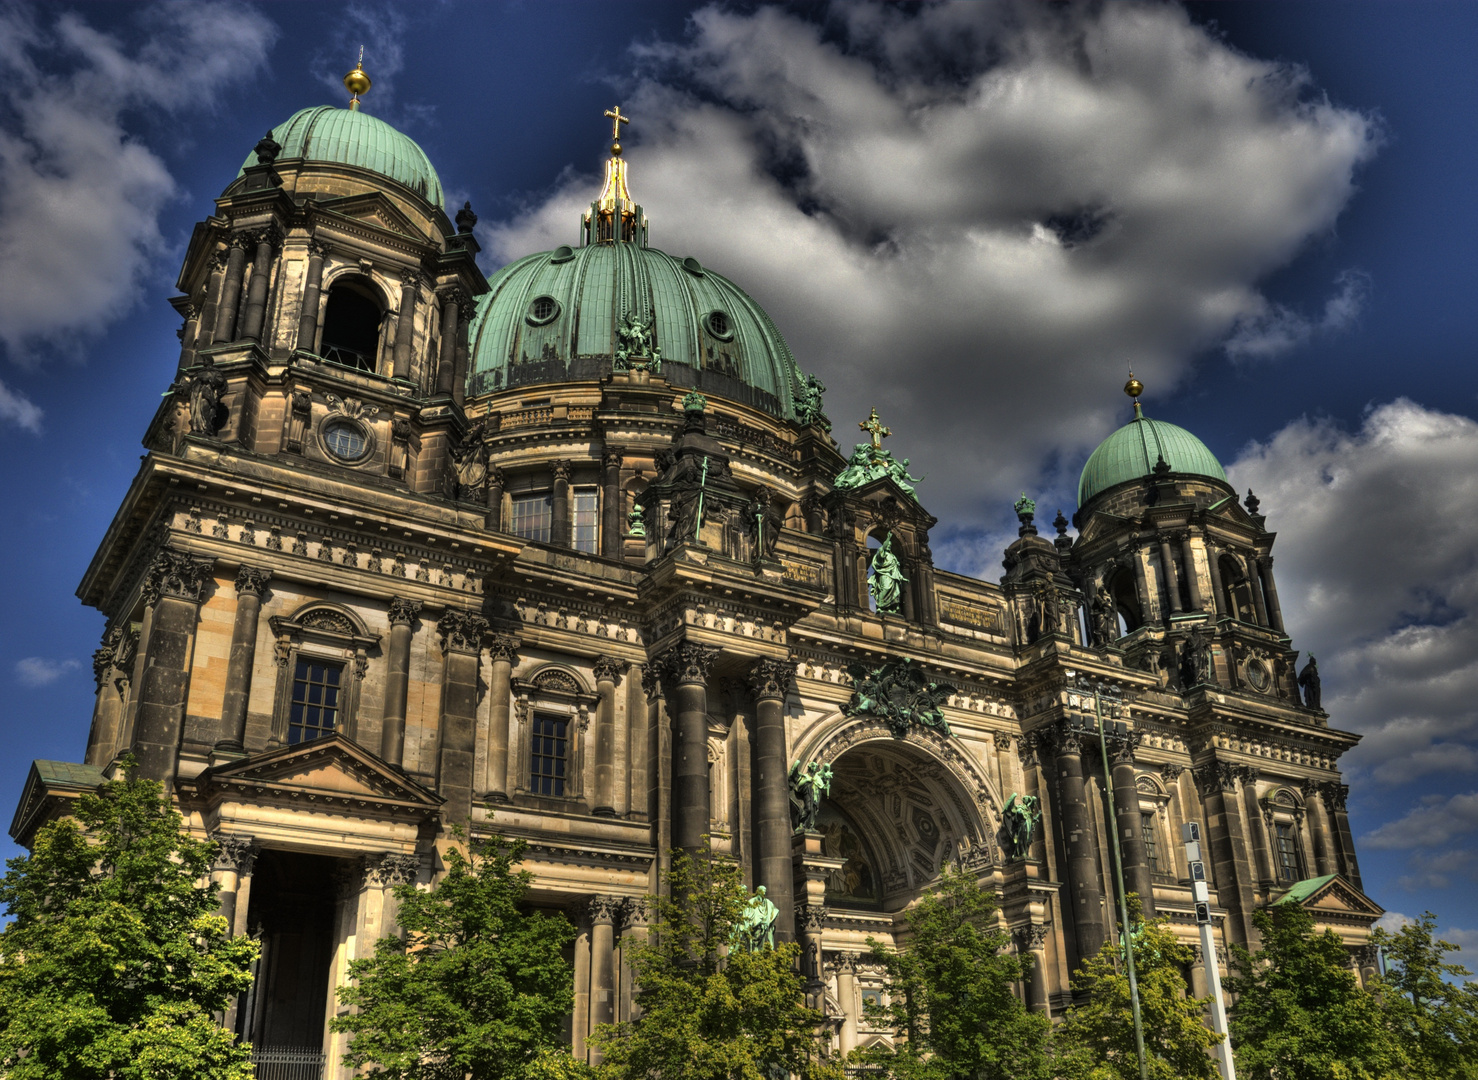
352	319
1126	601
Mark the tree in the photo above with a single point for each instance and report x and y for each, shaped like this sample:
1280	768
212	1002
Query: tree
1096	1038
115	959
951	1006
478	989
709	1011
1434	1013
1300	1014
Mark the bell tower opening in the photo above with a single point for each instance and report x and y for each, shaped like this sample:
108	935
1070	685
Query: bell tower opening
1126	602
351	326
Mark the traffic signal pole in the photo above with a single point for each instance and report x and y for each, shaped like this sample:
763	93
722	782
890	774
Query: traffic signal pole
1191	834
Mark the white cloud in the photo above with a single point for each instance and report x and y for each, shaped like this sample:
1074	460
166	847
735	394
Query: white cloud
1271	330
80	194
20	410
37	671
1436	822
1392	921
974	216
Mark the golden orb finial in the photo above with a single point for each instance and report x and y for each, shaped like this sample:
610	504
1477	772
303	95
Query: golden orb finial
357	82
1134	388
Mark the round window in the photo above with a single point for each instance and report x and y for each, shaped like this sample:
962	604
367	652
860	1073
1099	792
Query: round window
542	309
1257	676
563	253
719	325
345	440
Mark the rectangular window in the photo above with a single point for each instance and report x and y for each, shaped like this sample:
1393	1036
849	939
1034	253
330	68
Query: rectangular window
584	519
315	703
1151	849
547	765
532	516
1287	852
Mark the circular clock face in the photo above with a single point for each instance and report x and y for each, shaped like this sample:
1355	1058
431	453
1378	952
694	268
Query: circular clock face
1257	676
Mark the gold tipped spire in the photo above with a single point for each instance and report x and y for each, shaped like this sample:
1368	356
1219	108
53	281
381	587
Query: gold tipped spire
616	121
1134	388
357	82
614	204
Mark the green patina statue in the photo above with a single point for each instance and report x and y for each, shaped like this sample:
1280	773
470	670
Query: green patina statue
900	695
694	402
635	524
1018	823
863	468
808	786
808	403
755	929
637	350
887	580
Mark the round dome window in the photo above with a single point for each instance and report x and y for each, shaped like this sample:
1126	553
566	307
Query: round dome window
693	266
719	325
562	254
542	309
345	440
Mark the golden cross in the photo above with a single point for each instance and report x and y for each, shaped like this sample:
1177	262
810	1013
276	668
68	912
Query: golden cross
616	121
874	427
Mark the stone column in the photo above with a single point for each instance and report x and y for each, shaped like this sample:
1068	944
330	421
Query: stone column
230	300
173	589
1130	824
235	858
770	680
847	997
633	932
1335	794
607	677
402	616
580	1014
251	587
808	918
1199	987
494	518
1192	579
559	511
312	290
1232	868
206	328
1172	582
405	323
815	516
504	654
610	511
459	369
261	277
1218	590
685	670
462	633
189	334
1032	939
1085	888
395	871
1320	831
604	911
1261	823
1367	962
1270	592
1254	584
109	665
446	369
1149	607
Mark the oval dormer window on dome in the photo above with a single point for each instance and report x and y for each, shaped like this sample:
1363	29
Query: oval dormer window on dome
719	325
562	254
351	325
542	309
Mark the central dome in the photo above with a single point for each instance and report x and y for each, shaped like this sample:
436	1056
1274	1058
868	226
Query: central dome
553	317
1132	452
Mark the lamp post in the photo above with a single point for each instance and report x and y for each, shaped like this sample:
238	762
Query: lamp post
1190	832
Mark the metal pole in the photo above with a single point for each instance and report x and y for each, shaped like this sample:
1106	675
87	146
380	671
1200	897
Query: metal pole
1218	1009
1144	1065
702	483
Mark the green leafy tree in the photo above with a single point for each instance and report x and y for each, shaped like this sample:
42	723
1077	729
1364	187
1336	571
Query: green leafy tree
479	988
951	1006
1432	1009
1300	1014
709	1012
1096	1038
115	959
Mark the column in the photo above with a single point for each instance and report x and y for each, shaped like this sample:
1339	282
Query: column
1260	825
633	933
395	871
807	920
1217	783
559	511
1254	583
462	633
251	586
610	510
1192	579
446	369
206	329
397	678
1032	940
770	680
580	1014
494	518
256	291
607	677
235	858
815	516
459	367
1085	889
1335	794
849	1000
1320	831
1367	962
231	289
107	711
603	913
1218	590
1199	987
1130	824
405	323
1149	607
1270	591
173	589
685	669
504	654
312	289
1172	582
189	334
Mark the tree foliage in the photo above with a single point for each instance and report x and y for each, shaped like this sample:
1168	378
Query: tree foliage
1433	1011
115	958
1096	1038
951	1007
1299	1013
479	988
709	1012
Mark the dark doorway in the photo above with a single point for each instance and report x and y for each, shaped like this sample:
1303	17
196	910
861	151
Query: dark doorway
351	327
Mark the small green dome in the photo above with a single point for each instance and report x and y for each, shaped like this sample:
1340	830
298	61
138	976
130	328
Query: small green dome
552	317
1132	452
352	137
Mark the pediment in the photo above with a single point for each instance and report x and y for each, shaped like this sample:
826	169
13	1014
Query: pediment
1229	509
372	208
886	500
1333	898
1100	525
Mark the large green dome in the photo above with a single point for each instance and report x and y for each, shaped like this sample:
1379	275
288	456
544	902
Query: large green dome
1132	452
352	137
553	317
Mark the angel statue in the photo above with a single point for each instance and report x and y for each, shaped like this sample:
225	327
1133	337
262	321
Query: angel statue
808	786
1018	821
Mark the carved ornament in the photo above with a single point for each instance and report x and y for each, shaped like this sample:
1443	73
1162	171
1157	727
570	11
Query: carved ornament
688	662
176	574
900	694
403	612
253	580
609	669
771	679
462	631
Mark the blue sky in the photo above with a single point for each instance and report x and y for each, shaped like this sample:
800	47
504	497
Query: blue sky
1279	207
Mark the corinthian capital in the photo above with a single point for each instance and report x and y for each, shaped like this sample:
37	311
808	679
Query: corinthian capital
462	631
253	580
403	612
771	678
688	662
176	574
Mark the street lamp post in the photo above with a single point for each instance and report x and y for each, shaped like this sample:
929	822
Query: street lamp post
1190	832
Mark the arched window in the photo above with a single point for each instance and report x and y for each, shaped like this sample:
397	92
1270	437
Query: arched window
1236	591
1126	601
351	326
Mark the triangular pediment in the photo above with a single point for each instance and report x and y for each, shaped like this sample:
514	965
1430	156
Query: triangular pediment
1332	897
887	499
371	208
1102	525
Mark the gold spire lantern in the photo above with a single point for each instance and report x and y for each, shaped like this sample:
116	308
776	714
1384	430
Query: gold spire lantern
614	203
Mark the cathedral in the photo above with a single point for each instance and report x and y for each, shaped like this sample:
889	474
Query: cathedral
569	551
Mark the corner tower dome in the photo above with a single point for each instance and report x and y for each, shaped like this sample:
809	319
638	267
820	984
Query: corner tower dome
1132	452
564	315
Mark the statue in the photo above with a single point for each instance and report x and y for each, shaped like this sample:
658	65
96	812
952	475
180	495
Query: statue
808	403
755	929
205	388
1018	823
1308	682
637	350
635	526
867	465
1051	609
1195	659
808	786
468	461
764	523
899	694
1105	617
887	578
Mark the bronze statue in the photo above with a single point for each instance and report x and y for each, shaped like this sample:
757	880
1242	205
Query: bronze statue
205	388
887	581
808	786
1018	822
1308	682
755	928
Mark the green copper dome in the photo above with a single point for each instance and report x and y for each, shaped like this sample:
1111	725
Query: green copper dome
1131	453
352	137
553	317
